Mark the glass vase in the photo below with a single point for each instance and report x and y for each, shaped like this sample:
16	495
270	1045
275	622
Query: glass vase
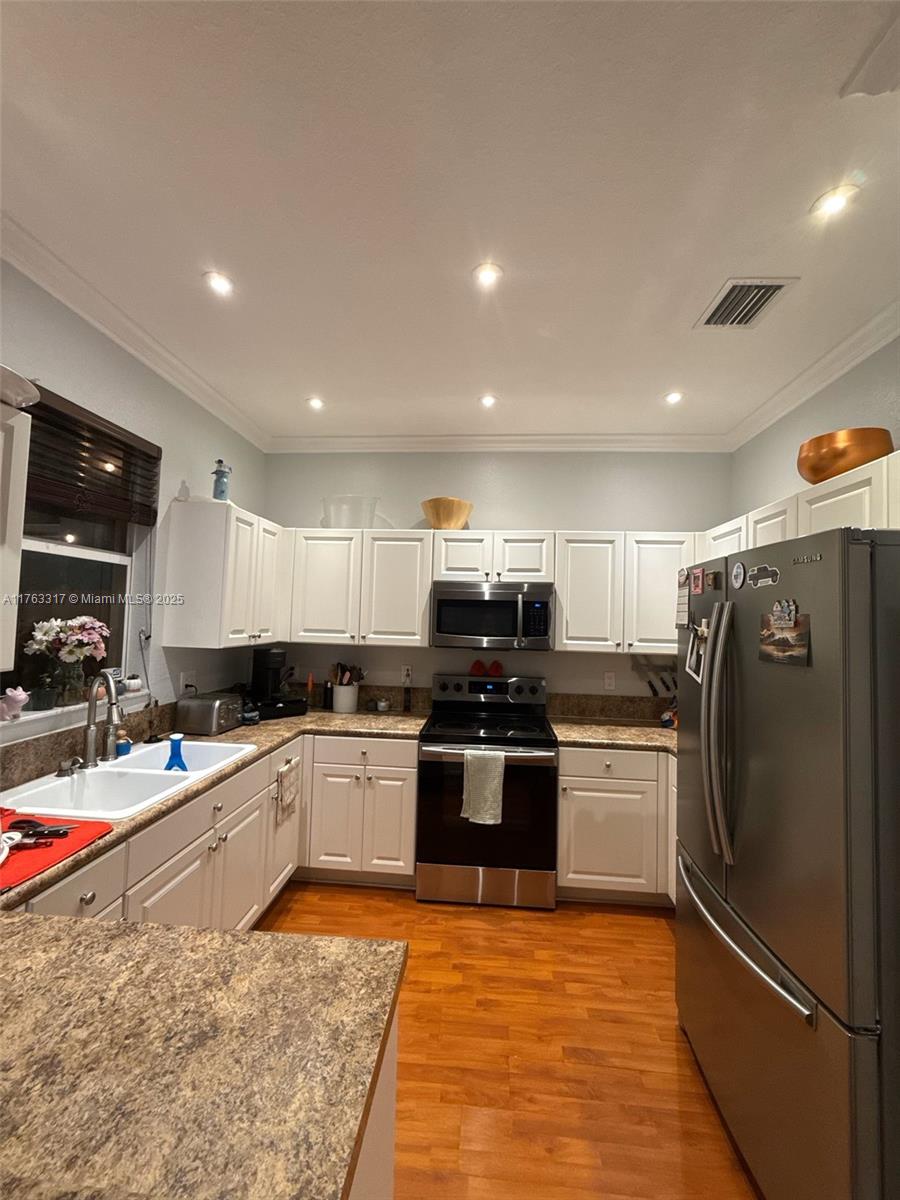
70	681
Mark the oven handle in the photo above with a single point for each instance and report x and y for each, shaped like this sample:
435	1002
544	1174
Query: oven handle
523	755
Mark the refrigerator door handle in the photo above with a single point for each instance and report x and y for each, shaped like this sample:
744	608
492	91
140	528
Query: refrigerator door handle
714	735
705	768
808	1013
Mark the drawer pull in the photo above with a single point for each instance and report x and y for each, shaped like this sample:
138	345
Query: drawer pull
87	898
217	807
213	848
607	764
364	753
223	837
564	788
369	778
357	778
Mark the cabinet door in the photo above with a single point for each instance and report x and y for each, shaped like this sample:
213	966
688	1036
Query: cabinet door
327	564
772	523
180	892
590	589
240	863
893	475
15	429
463	554
857	498
282	837
336	820
727	538
238	577
389	821
608	836
269	581
396	588
524	554
651	587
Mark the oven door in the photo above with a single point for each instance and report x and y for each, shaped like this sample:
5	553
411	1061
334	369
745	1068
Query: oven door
481	616
525	839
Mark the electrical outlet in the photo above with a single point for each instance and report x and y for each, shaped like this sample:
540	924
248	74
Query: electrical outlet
609	681
186	679
406	676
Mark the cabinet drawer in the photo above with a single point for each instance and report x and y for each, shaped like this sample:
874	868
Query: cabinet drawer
376	752
607	764
152	847
87	892
278	758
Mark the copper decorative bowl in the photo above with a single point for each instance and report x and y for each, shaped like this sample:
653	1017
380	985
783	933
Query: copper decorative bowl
834	453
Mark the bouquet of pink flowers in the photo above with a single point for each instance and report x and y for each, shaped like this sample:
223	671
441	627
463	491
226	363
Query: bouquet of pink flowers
70	641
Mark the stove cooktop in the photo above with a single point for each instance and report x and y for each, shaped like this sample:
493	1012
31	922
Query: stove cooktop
488	728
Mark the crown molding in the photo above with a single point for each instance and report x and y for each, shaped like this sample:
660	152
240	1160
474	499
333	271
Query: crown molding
30	256
499	443
868	339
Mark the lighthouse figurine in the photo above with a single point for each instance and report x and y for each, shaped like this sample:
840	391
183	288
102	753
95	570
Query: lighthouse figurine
221	480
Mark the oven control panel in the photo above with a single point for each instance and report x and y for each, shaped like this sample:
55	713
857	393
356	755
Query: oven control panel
501	689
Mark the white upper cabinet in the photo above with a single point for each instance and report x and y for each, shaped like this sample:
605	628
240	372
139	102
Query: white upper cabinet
858	498
463	554
590	591
327	573
396	587
524	555
15	432
727	538
772	523
482	554
232	571
893	471
652	561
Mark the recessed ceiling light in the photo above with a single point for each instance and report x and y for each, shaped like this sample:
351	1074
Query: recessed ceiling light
110	467
674	397
219	283
487	275
316	402
488	401
69	537
831	203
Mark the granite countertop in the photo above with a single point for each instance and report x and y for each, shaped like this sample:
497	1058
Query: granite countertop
149	1061
269	736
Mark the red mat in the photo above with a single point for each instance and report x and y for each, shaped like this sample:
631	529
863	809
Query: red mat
21	865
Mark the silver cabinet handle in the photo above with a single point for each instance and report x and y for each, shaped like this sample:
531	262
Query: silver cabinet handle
498	576
364	753
369	778
357	778
808	1014
217	807
223	837
564	788
213	848
487	577
618	643
87	898
607	764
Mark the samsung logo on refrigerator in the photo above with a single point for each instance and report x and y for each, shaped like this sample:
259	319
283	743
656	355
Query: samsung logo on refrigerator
800	560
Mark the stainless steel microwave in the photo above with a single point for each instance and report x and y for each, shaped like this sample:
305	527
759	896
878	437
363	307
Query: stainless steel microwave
492	616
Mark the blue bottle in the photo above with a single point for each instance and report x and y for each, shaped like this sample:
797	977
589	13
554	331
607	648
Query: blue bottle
176	761
221	480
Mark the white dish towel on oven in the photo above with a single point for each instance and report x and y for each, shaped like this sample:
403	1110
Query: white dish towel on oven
483	786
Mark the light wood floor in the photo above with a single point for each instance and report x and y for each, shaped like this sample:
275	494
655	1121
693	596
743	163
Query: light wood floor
540	1058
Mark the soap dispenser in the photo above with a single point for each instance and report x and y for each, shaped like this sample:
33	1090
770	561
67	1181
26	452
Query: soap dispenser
176	760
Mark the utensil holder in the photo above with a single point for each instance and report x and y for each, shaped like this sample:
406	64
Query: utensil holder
346	697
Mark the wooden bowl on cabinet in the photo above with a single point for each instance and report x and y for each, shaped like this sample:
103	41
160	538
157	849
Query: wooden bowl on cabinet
447	512
834	453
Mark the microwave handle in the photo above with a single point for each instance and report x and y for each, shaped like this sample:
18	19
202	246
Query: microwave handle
520	621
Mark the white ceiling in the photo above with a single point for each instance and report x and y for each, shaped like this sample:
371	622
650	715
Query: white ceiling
348	164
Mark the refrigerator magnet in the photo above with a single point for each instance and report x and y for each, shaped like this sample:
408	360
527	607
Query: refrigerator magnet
693	661
785	644
738	575
696	581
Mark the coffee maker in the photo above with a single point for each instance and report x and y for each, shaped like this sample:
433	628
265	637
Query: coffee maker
266	685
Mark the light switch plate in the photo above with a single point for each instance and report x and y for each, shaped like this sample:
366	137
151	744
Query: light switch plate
406	676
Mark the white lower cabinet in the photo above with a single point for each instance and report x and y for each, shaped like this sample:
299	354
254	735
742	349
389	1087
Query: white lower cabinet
180	892
670	764
240	863
612	821
335	835
389	820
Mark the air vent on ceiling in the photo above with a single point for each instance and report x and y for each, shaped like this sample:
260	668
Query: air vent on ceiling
743	301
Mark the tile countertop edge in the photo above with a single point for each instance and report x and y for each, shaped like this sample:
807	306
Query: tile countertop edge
374	970
270	736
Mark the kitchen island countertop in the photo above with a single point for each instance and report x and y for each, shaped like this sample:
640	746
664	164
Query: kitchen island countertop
149	1061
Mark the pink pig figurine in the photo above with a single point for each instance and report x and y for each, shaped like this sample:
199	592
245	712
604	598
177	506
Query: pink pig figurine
12	703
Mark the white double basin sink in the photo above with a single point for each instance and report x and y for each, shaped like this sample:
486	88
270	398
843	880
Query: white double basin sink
117	790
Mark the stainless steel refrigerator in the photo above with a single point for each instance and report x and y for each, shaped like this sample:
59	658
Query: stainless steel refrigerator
788	857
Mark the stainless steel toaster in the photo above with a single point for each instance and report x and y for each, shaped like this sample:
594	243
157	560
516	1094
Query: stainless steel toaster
208	714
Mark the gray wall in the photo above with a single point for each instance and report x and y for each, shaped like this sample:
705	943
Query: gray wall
765	468
45	340
601	490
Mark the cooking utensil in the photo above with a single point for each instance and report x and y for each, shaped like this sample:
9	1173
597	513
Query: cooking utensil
29	827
